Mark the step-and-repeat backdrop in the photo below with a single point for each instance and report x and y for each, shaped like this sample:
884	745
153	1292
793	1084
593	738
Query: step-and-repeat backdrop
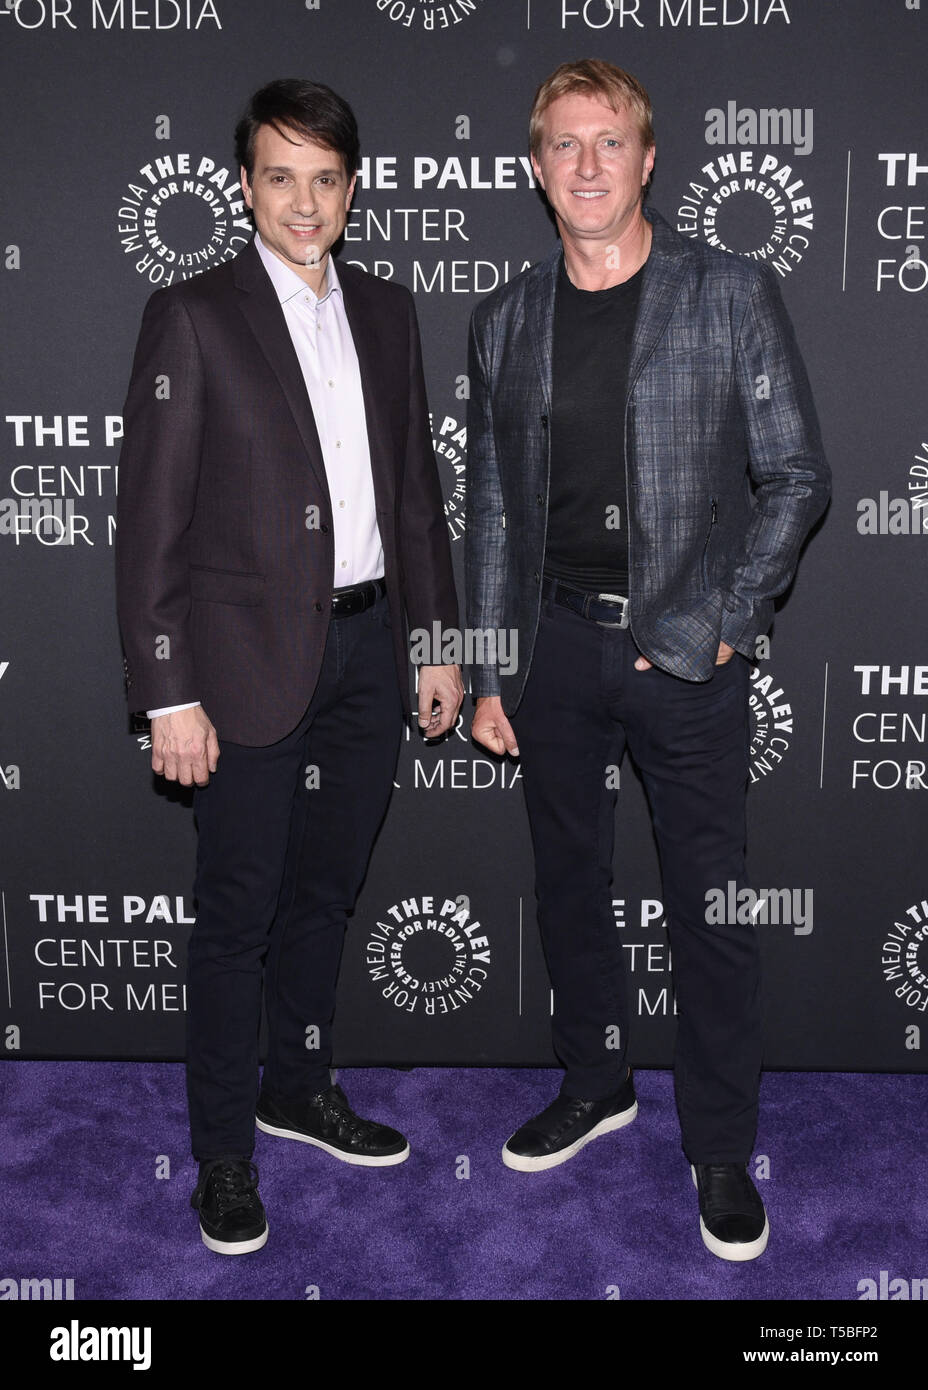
792	131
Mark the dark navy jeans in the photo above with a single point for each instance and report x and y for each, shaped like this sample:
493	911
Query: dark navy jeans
285	833
584	705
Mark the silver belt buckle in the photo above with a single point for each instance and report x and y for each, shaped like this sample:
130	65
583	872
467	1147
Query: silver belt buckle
614	598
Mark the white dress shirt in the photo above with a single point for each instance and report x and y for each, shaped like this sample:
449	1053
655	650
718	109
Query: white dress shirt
319	330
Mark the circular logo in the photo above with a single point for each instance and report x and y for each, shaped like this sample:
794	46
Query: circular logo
918	484
905	957
449	440
427	956
905	515
773	724
182	214
426	14
750	202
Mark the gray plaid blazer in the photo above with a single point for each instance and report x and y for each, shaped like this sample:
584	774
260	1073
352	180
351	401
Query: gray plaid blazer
725	466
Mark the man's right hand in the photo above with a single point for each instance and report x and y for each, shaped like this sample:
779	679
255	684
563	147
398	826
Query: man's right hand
184	746
491	727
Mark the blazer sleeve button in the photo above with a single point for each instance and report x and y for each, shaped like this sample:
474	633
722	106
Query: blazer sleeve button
318	607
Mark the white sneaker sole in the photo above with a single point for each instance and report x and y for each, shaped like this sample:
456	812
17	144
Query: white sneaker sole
234	1247
746	1250
522	1164
361	1160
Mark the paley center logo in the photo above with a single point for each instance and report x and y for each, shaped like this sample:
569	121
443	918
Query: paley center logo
449	440
904	515
773	723
427	955
427	14
750	200
182	214
905	957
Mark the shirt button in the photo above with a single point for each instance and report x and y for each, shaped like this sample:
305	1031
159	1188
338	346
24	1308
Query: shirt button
338	443
344	564
341	504
331	383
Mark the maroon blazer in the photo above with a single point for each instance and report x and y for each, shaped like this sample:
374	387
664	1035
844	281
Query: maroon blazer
223	590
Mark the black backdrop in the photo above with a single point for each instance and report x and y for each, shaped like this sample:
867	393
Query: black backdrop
789	129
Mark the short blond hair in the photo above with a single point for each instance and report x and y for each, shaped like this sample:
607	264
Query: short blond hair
595	78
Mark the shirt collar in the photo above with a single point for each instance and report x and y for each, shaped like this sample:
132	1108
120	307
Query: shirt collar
287	284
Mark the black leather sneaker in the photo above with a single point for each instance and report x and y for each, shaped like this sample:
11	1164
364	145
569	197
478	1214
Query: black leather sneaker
732	1218
328	1121
565	1127
232	1219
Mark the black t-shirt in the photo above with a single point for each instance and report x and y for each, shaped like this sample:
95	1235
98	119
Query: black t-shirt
587	541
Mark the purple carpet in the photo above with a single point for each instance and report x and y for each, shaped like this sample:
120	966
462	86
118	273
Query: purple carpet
81	1198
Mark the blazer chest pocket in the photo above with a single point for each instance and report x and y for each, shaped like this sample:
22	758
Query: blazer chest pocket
226	586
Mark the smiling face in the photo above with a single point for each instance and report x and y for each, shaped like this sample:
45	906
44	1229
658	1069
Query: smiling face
300	196
593	168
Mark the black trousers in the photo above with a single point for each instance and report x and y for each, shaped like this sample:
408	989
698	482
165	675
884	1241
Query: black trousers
585	704
285	834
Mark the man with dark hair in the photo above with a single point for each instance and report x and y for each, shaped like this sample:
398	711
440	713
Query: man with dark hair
628	395
306	108
280	518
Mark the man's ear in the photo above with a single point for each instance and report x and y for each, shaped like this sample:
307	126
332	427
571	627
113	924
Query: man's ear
536	170
648	164
243	180
350	194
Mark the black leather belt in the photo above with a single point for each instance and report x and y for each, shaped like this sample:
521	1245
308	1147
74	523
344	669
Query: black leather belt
607	610
356	597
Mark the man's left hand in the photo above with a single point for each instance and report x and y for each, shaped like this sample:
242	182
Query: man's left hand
443	687
725	654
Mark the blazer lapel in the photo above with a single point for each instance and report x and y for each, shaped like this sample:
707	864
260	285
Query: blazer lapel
373	366
539	318
660	289
261	308
663	280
